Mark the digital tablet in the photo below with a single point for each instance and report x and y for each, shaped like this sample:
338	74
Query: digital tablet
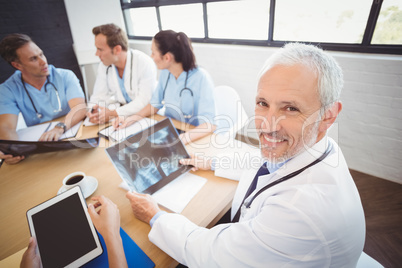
149	160
64	231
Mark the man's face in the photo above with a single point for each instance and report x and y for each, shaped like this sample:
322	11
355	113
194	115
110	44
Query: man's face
103	51
287	111
31	61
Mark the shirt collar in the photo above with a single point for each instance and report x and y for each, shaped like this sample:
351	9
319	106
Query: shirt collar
302	158
272	167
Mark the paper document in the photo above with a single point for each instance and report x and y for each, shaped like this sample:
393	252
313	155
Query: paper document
121	134
178	193
33	133
71	132
88	123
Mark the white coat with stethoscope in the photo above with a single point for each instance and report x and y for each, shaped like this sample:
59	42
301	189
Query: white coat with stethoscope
139	82
313	219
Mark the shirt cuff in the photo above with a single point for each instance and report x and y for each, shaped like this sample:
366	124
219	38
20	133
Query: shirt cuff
155	217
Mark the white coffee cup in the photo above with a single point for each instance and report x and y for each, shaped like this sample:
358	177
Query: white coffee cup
76	178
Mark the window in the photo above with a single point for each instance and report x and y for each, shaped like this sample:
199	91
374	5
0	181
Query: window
239	20
388	29
341	21
183	18
369	26
142	21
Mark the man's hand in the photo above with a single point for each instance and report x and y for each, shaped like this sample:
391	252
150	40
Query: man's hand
11	160
52	135
31	258
100	114
107	218
199	162
93	115
118	123
143	205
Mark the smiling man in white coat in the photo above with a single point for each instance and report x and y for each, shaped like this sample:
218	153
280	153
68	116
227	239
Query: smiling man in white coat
301	208
126	77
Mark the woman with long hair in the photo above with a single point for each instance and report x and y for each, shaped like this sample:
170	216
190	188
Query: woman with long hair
184	90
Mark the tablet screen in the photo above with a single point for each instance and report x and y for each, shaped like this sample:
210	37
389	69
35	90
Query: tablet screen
63	232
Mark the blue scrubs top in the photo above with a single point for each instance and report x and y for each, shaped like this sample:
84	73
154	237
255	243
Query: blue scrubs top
121	85
14	99
200	106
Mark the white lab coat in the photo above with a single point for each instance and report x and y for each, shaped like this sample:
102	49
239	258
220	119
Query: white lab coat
315	219
107	90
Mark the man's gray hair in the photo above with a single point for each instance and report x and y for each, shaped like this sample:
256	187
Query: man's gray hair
329	74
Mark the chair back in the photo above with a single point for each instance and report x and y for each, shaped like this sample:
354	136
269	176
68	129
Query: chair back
230	113
365	261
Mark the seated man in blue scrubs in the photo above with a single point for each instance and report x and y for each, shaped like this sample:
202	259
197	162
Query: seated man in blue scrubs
40	92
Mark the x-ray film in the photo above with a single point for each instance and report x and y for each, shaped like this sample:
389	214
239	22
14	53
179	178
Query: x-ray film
149	160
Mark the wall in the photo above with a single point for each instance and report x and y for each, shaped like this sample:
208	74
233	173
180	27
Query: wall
84	15
371	122
46	23
369	127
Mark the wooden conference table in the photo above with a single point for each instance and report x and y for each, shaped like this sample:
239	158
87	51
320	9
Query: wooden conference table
39	177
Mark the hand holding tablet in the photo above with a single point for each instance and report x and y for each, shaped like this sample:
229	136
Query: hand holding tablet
58	241
64	231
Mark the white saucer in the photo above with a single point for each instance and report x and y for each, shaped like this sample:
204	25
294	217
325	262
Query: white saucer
90	188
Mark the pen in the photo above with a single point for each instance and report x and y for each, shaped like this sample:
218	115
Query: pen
115	129
47	127
1	162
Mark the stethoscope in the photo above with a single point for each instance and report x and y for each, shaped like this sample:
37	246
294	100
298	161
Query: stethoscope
247	205
181	92
39	115
131	73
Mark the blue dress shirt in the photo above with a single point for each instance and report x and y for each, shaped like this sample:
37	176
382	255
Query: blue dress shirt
121	85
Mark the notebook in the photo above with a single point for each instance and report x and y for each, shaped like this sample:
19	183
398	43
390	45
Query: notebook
134	255
33	133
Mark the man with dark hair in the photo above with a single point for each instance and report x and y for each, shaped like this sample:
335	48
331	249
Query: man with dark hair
126	77
40	92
